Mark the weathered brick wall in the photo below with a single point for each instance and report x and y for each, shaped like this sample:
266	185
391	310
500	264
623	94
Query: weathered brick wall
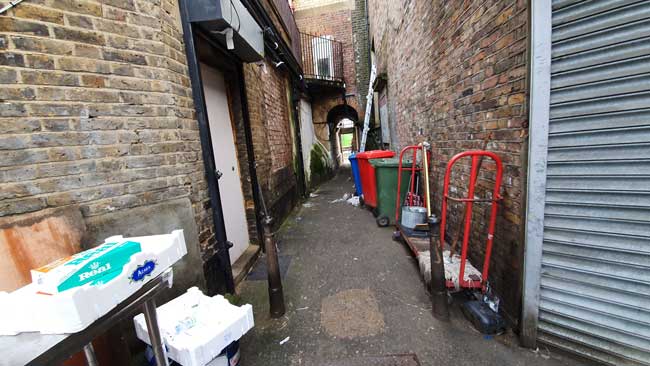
361	52
457	72
268	103
96	109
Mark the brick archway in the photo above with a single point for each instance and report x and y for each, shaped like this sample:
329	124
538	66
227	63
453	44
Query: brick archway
336	114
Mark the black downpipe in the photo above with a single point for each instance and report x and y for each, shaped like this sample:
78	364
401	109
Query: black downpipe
223	255
250	151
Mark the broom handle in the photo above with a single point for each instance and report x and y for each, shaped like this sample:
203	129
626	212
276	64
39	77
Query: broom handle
454	243
426	178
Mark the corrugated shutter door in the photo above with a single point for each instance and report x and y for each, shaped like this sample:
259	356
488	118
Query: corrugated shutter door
595	285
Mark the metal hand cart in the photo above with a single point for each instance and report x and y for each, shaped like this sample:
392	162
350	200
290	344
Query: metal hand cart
469	277
417	243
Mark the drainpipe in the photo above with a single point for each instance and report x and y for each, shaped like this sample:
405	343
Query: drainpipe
250	150
211	173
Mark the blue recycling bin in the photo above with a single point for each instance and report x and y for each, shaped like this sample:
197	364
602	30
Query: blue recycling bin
355	173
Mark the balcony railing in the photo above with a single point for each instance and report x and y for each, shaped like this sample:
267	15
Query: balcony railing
322	58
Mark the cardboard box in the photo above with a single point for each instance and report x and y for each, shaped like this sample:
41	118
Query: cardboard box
49	308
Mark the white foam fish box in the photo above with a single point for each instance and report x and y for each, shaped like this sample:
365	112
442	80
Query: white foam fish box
31	309
195	328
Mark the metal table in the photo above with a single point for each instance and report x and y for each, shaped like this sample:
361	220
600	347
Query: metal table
51	349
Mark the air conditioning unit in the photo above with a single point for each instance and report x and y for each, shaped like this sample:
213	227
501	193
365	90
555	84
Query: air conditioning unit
230	23
323	57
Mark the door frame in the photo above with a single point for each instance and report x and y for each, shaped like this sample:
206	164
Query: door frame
539	111
198	42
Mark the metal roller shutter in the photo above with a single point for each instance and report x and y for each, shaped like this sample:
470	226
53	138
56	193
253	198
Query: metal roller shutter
595	277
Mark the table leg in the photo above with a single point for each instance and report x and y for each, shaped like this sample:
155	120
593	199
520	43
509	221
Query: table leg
151	319
89	352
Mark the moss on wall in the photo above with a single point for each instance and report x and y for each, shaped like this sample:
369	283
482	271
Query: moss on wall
318	166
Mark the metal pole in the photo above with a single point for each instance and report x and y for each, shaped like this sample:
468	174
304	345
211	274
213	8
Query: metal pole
151	319
276	295
89	352
438	281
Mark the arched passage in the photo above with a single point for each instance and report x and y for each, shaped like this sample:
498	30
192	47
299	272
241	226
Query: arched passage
344	130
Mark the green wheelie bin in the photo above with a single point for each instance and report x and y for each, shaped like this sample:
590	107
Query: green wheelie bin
386	174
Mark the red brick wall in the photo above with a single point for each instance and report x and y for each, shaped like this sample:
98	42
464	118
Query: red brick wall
268	104
457	72
323	21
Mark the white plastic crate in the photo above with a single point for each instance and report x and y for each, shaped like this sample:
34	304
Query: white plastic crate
195	328
39	307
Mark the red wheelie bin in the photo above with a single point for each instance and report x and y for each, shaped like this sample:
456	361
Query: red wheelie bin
367	173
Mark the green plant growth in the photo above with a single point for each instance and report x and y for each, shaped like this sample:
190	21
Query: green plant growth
346	140
318	163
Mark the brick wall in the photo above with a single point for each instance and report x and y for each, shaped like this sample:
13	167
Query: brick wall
96	109
456	70
361	52
340	20
268	104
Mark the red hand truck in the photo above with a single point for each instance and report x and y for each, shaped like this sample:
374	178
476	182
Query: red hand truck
412	198
469	200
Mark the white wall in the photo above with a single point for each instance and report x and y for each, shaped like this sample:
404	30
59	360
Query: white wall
307	136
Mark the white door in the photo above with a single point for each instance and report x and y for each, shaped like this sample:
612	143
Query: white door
225	158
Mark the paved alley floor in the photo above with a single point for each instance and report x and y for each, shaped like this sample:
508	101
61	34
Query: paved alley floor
354	296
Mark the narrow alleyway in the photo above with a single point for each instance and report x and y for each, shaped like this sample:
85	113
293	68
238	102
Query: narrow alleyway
353	296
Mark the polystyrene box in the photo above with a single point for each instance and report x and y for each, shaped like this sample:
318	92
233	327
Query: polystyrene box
195	328
28	309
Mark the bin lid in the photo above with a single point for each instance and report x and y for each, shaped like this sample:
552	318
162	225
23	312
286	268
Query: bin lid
375	154
391	163
352	156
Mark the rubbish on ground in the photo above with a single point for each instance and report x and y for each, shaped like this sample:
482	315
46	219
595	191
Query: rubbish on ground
196	328
284	341
74	292
354	201
491	299
484	319
307	204
346	197
313	195
305	308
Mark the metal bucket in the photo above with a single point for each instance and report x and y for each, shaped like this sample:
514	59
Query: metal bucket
413	215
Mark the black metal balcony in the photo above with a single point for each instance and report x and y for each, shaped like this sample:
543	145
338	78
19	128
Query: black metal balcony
322	60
